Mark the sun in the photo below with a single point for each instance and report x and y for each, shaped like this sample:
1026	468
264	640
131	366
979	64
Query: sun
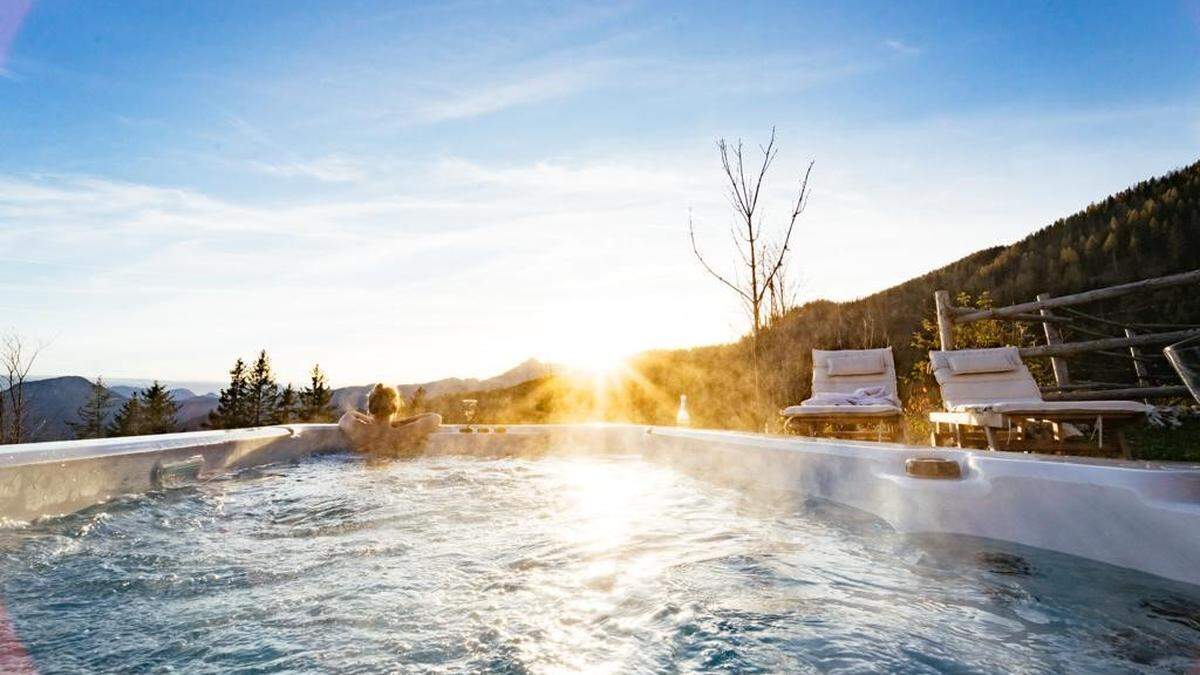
592	348
597	364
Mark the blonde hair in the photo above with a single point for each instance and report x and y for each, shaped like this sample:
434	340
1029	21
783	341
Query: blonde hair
383	402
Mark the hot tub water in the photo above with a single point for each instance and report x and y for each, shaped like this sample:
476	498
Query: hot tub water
609	562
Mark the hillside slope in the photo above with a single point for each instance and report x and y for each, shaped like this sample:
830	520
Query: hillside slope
54	402
1150	229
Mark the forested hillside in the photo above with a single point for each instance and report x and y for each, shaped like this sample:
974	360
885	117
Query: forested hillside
1150	229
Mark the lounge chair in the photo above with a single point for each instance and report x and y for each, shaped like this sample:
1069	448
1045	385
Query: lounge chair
991	391
853	396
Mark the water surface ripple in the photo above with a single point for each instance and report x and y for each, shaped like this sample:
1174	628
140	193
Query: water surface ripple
605	563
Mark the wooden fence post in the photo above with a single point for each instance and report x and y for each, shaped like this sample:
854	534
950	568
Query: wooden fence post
1139	368
945	319
1183	279
1062	376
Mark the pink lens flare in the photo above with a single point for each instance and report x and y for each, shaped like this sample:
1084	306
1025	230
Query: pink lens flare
13	657
11	15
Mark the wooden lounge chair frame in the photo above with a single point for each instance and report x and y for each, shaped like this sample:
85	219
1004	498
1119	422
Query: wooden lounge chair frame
888	427
1029	424
1040	432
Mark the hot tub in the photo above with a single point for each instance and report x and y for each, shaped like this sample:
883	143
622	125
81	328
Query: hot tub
590	547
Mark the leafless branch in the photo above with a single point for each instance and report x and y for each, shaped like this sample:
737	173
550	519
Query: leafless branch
709	269
16	360
797	209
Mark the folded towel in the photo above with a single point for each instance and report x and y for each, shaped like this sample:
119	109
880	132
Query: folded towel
863	396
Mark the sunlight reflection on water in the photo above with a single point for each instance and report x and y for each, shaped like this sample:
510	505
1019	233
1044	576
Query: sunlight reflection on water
559	564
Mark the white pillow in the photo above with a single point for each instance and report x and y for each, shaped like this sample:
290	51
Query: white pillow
869	363
1000	361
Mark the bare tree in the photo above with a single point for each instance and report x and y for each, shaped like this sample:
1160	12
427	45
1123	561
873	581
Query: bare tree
16	360
761	256
867	334
781	291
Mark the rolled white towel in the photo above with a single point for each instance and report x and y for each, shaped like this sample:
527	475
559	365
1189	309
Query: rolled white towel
861	396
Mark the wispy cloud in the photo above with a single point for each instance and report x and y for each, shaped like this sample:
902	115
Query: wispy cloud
285	162
326	169
244	128
553	83
605	178
902	47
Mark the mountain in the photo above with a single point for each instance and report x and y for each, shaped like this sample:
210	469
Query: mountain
125	390
355	397
529	369
179	394
55	401
192	413
192	387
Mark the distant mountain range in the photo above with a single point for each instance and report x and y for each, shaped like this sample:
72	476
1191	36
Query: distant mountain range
179	394
355	397
193	387
55	401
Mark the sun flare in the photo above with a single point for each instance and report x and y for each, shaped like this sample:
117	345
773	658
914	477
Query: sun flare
592	349
598	365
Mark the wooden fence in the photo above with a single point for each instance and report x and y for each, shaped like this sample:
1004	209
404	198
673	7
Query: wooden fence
1135	336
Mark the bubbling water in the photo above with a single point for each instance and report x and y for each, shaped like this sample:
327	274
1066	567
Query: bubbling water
606	563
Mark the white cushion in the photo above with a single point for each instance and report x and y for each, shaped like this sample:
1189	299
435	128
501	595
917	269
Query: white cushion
969	363
860	363
1033	408
824	382
1013	384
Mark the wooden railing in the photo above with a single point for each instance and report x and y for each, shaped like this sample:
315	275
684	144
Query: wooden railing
1135	335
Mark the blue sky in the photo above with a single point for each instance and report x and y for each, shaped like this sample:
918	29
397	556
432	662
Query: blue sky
405	191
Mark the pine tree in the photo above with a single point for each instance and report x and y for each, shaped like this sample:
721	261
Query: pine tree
231	407
263	393
287	410
158	411
1135	246
315	398
92	413
1177	244
1111	244
1068	256
128	420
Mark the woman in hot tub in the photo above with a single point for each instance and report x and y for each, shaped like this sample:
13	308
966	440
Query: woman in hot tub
379	434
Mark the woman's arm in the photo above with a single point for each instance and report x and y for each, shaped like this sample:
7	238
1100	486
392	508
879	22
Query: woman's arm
358	429
425	422
407	420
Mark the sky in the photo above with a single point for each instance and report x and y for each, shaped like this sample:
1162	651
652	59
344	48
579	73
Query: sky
406	191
